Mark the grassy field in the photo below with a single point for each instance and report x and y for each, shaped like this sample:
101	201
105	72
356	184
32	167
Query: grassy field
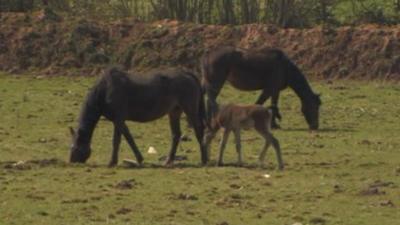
348	173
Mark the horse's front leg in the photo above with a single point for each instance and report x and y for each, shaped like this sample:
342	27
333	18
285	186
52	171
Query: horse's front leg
208	137
174	123
125	131
116	144
263	97
212	92
275	111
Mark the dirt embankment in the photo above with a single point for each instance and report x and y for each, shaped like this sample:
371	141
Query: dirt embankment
52	45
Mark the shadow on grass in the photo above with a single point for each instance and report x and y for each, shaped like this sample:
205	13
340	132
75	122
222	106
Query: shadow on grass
322	130
58	163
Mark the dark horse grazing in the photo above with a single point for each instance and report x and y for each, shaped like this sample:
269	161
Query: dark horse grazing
120	97
269	70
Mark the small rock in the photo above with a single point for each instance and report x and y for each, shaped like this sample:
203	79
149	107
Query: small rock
266	175
152	150
42	140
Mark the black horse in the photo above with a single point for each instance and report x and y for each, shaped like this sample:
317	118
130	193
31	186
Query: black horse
119	96
269	70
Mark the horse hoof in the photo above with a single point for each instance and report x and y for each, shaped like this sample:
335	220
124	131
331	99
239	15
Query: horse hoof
140	160
280	167
275	126
112	164
169	164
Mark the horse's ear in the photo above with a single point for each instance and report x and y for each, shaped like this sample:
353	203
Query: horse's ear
72	131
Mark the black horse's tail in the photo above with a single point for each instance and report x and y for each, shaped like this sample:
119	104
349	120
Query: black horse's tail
205	72
202	110
202	106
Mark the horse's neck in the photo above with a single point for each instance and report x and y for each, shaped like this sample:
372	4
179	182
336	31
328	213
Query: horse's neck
89	117
299	84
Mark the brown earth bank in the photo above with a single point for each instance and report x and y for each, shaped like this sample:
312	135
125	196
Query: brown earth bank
46	43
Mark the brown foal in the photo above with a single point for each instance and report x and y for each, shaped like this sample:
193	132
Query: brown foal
233	117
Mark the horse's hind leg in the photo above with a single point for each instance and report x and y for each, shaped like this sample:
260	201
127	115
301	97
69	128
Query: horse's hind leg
125	131
174	123
116	143
263	97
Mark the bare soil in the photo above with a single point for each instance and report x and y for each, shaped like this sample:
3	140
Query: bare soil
52	45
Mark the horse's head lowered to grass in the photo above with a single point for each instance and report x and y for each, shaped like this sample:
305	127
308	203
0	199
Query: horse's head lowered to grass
310	110
80	151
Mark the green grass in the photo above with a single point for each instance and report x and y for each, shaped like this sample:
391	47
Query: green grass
326	180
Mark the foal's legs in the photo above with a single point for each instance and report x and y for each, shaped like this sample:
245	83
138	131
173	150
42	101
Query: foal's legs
262	129
116	143
222	146
238	146
125	131
208	137
174	123
277	148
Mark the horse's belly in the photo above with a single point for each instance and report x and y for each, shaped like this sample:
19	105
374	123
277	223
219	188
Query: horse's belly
246	85
246	81
155	111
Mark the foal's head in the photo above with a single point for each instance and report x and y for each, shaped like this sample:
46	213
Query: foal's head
310	109
79	152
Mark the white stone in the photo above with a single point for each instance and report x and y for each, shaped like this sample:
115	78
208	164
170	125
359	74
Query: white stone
152	150
266	175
